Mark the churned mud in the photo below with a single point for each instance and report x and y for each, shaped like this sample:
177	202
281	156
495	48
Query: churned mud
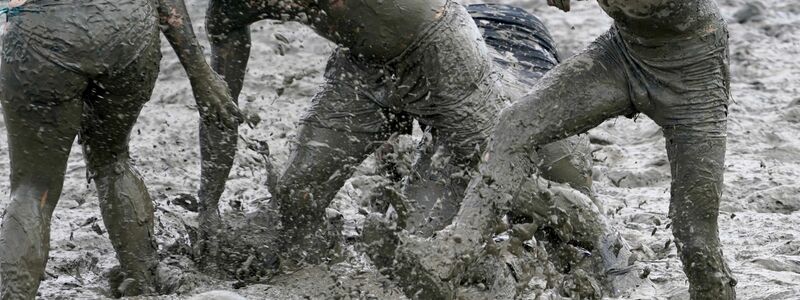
760	222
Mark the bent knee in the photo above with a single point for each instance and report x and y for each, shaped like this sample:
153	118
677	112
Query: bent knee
111	167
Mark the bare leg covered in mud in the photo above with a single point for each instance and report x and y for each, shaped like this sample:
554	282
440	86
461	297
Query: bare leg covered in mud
367	89
49	99
111	107
676	74
392	30
37	174
546	205
479	214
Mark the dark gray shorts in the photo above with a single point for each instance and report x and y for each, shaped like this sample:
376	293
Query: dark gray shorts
449	80
445	79
681	84
86	37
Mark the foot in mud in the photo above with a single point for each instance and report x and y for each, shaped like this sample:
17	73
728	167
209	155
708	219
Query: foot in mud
243	246
432	268
312	244
502	269
169	280
577	234
123	285
606	266
506	265
379	237
622	273
207	245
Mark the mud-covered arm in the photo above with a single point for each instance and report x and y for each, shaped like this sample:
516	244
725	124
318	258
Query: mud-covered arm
214	101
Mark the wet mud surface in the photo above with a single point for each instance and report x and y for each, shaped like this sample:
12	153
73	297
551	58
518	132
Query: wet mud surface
758	225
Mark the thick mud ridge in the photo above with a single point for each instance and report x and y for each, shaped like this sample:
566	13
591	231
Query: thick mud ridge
760	222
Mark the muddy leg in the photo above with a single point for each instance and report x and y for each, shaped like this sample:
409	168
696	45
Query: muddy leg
42	109
554	110
435	188
321	163
577	226
697	166
112	106
230	52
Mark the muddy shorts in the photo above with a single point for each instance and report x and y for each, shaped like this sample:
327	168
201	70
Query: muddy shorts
444	79
89	37
681	84
448	79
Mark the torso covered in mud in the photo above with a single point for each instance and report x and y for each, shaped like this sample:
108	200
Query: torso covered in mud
656	19
375	29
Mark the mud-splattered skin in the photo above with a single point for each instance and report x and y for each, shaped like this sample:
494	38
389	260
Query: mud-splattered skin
666	59
391	67
86	68
368	27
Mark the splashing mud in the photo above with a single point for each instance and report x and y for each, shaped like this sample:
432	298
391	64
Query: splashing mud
758	224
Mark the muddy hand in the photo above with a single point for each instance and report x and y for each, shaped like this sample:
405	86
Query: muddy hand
216	104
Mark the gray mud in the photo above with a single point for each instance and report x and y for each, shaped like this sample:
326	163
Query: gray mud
759	225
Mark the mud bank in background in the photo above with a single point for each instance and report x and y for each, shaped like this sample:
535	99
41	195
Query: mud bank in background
760	223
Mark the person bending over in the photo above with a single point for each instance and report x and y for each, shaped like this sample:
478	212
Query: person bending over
396	61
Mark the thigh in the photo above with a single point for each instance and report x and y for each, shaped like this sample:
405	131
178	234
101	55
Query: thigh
348	102
435	187
573	97
340	129
111	107
42	106
462	105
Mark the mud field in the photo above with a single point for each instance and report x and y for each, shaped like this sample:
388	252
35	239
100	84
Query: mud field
760	221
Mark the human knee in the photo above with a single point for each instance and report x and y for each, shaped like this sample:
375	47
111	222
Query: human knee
106	165
32	198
